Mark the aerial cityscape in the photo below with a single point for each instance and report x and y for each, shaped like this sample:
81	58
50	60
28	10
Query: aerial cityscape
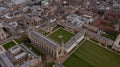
59	33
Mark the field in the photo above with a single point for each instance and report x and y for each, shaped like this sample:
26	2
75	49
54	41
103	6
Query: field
9	45
61	35
89	54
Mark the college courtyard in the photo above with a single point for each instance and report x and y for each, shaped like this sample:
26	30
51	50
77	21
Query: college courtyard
9	44
60	35
90	54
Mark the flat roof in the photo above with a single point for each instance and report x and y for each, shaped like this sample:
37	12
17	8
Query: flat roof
2	8
73	39
10	56
20	55
4	61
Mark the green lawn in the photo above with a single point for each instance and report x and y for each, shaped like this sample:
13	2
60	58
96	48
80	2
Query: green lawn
60	35
9	45
76	61
91	55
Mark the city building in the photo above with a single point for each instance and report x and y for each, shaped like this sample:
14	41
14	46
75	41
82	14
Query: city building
20	56
3	34
74	41
76	20
52	48
43	43
116	45
4	61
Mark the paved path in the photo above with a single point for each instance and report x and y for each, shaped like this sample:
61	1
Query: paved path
53	31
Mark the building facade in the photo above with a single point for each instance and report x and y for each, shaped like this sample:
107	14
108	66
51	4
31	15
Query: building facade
116	45
44	44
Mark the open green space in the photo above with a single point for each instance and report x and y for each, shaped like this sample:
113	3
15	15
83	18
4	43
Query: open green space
89	54
61	35
9	45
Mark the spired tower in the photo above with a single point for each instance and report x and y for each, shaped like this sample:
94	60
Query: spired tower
62	49
31	27
116	45
61	53
87	3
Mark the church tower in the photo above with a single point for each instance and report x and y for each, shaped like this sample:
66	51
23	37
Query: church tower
62	49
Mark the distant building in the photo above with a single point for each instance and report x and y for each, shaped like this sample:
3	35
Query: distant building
19	1
13	24
2	9
17	55
101	39
22	57
4	61
3	34
91	28
2	50
44	2
76	20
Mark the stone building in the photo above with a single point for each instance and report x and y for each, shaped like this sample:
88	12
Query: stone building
3	34
116	45
52	48
21	56
44	44
74	41
103	40
17	55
